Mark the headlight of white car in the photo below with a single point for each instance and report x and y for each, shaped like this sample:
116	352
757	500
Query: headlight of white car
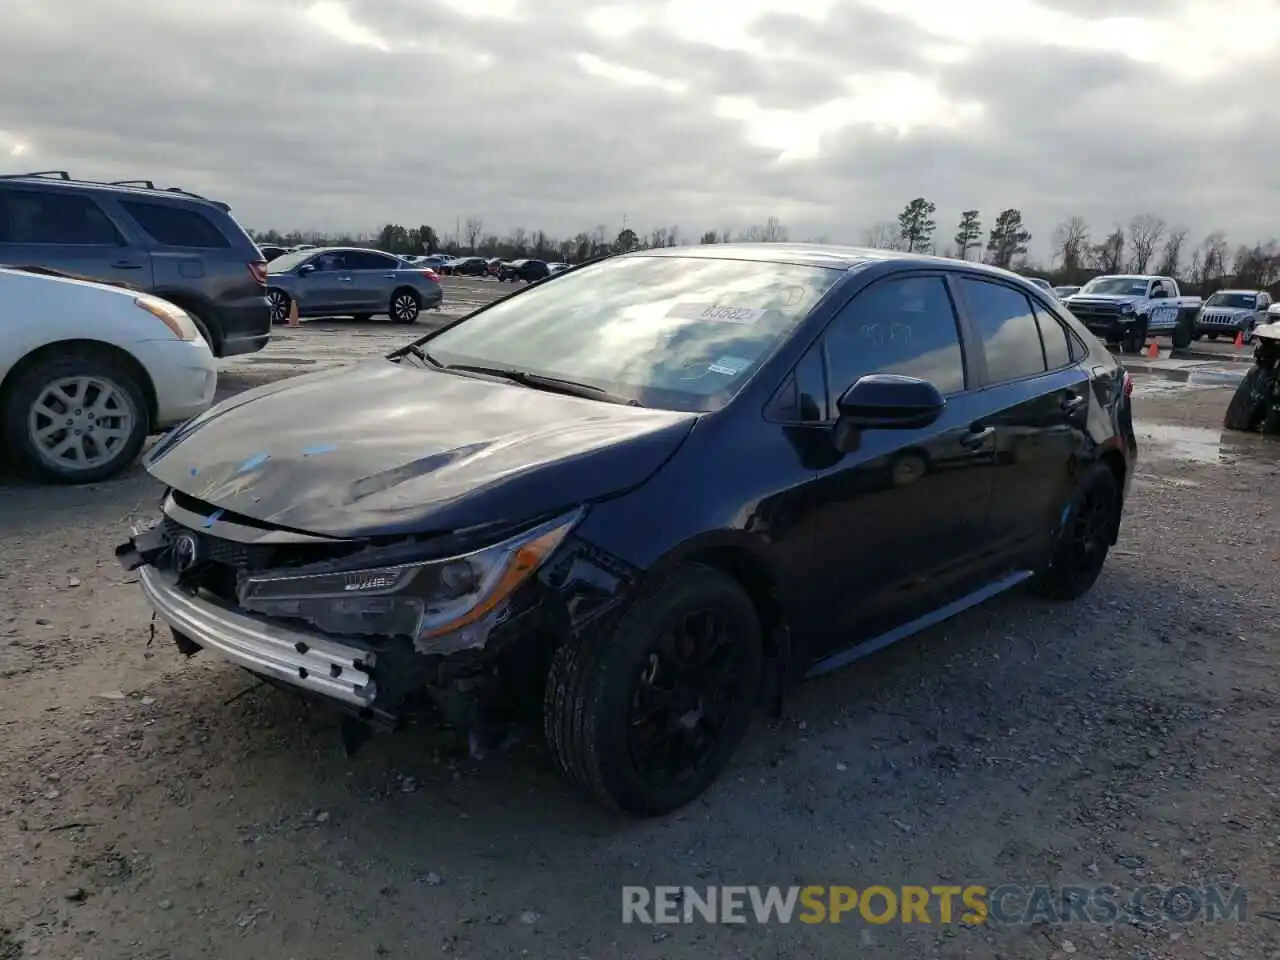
173	317
443	605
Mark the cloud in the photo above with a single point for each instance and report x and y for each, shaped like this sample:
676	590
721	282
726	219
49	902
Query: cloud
830	114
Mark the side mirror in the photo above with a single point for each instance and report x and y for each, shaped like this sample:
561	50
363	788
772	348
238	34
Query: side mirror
306	268
887	401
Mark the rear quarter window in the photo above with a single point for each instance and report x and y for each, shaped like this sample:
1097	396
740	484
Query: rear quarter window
174	226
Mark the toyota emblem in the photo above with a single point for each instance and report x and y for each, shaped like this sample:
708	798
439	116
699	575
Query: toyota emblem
186	551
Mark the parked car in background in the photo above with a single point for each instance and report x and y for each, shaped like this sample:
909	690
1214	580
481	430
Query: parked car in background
414	260
469	267
350	282
1232	311
526	270
1125	309
270	251
1043	284
630	503
491	265
88	370
557	267
174	244
1063	292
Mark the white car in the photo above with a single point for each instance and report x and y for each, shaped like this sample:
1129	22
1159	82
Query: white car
89	370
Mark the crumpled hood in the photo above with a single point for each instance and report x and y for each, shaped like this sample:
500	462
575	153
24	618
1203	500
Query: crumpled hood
384	448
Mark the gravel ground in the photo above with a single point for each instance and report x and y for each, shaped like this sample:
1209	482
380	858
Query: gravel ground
159	809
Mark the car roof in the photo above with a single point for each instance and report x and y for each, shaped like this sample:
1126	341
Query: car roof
135	188
834	256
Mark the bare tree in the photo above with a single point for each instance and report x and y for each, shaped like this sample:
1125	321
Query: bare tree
1070	242
1171	256
472	230
1213	257
1145	233
882	235
1107	256
519	240
774	231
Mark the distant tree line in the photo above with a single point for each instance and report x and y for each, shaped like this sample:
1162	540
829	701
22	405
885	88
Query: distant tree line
1147	243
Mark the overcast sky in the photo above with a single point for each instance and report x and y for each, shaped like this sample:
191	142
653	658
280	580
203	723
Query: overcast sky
565	114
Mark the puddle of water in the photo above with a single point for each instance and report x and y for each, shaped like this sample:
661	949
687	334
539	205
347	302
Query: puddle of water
1167	441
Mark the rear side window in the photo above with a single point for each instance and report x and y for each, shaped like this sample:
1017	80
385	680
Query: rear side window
1008	328
173	226
40	216
903	325
1057	348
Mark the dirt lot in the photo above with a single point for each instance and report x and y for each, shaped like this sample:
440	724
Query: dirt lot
153	808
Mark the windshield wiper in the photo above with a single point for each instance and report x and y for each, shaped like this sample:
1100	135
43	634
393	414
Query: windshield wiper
551	384
415	351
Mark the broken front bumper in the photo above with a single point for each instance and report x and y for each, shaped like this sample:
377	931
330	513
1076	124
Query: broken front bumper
306	660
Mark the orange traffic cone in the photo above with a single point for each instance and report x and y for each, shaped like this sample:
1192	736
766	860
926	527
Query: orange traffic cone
1239	339
293	314
1153	351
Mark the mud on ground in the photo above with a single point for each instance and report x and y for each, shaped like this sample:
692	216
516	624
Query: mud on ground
159	809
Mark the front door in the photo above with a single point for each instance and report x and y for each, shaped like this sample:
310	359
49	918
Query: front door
373	277
327	290
70	232
897	525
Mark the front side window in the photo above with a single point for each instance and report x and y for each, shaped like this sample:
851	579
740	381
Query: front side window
903	325
684	333
1010	336
49	216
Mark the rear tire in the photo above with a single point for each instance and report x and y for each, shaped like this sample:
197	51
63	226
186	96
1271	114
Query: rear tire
1213	335
405	306
41	418
1090	527
279	301
1248	406
615	692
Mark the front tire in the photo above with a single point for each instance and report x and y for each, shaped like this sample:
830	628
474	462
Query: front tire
644	714
1086	537
76	419
279	302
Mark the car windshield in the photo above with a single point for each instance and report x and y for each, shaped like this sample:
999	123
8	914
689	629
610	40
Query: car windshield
1246	300
681	333
1117	286
285	263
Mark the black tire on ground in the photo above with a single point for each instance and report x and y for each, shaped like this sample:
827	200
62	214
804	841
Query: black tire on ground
279	301
1085	539
1248	408
1197	335
32	385
405	306
1181	335
1213	334
594	679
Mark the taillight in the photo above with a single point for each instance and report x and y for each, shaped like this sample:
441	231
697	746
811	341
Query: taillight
259	270
1128	384
431	275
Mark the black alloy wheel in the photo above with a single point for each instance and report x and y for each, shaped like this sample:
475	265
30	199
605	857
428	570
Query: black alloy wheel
1085	538
644	716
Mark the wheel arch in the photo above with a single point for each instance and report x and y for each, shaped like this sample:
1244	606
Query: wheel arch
200	310
95	348
1114	461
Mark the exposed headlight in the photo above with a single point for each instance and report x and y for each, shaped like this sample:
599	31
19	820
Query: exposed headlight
173	317
443	605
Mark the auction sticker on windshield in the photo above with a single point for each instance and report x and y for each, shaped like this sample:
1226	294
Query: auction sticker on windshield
729	366
716	313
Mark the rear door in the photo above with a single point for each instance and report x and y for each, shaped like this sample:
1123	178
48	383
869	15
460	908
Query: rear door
1036	399
69	230
186	248
373	277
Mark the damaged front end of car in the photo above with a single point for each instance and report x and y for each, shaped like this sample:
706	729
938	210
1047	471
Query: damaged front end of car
470	618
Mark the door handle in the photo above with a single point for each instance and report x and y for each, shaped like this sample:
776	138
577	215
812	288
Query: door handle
344	279
1073	404
977	437
126	265
390	276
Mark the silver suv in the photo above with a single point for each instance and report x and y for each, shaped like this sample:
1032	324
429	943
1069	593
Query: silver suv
177	245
